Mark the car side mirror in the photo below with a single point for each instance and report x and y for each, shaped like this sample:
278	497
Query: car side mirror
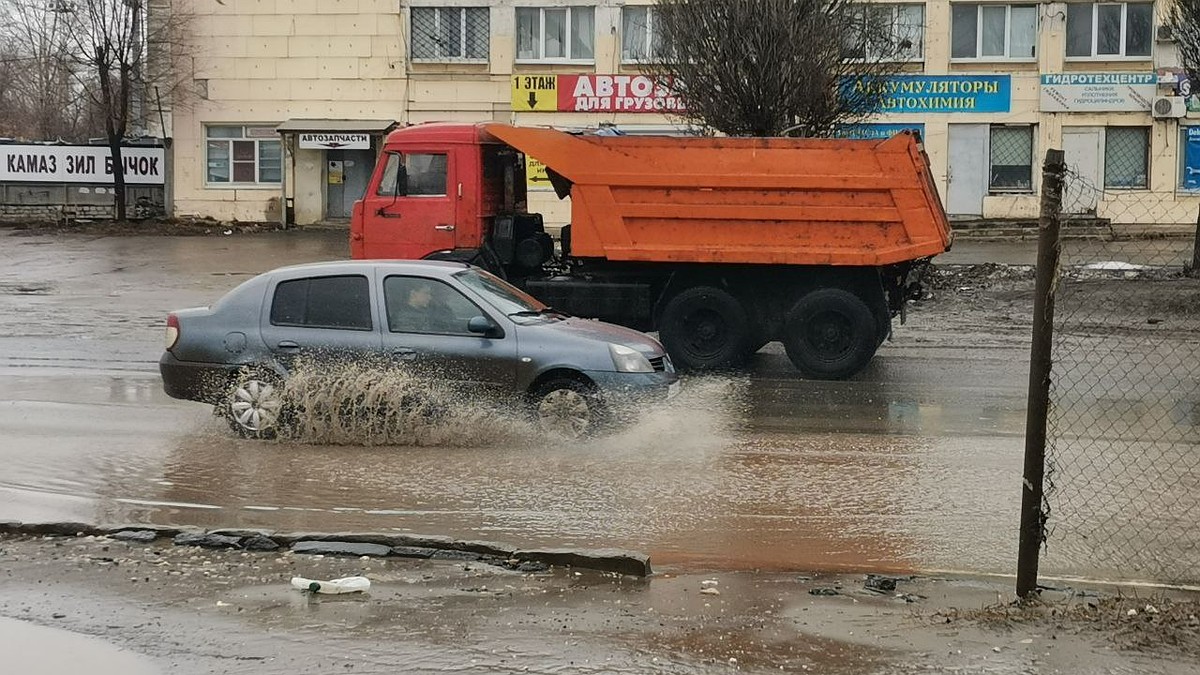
482	325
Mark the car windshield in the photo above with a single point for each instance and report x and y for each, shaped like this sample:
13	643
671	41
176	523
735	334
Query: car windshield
501	294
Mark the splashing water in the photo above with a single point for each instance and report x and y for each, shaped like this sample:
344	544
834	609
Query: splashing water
376	404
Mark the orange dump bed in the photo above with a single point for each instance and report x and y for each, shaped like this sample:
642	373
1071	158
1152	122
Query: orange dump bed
740	200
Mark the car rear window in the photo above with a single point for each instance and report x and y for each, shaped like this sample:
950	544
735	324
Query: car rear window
323	302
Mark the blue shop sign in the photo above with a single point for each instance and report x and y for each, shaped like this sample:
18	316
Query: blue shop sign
873	131
936	93
1191	158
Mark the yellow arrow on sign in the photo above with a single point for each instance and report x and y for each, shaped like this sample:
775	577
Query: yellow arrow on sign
535	93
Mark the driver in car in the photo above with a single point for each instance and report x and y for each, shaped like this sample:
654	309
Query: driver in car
426	312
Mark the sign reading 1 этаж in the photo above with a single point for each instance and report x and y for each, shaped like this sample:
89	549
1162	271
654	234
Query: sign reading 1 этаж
936	93
536	93
335	141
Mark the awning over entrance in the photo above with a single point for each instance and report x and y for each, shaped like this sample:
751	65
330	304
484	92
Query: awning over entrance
345	173
303	126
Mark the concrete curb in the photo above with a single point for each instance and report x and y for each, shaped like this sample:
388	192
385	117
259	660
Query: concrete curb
371	544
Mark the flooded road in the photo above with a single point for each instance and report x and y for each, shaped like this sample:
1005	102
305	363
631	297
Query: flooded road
914	464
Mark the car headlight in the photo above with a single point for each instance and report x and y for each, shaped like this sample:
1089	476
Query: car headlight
628	360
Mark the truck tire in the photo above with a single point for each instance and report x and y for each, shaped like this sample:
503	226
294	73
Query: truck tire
705	328
830	334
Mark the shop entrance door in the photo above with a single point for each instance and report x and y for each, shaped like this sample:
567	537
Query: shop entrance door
346	176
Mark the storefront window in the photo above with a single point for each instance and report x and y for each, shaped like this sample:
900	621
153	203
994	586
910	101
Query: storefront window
1126	157
242	155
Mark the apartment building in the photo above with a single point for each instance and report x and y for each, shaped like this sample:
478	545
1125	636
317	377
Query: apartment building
297	95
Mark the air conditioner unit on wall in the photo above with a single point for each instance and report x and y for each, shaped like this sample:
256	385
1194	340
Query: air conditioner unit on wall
1169	107
1164	34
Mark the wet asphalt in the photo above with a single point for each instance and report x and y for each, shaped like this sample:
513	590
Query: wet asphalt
912	465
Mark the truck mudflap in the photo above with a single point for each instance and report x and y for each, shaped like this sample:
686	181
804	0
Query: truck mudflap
911	287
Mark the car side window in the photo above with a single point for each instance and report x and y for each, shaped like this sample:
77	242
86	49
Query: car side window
323	302
421	305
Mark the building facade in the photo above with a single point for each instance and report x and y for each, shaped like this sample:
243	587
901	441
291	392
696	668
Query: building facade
295	96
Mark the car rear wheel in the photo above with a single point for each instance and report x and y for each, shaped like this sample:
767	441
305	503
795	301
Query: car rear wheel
254	406
567	407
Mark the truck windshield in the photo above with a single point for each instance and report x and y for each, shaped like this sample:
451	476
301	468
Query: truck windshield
500	294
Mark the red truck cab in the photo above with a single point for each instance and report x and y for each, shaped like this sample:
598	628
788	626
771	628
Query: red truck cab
434	189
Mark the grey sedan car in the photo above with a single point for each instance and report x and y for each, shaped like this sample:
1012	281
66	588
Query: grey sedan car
444	320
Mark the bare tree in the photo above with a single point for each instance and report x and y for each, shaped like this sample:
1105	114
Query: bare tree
770	67
1184	20
108	42
42	87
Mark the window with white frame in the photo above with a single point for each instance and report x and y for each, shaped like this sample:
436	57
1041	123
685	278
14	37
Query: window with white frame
242	155
450	33
1127	157
994	32
1011	155
641	39
556	33
888	31
1110	30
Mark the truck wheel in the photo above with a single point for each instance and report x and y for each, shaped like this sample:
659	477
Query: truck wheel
830	334
705	328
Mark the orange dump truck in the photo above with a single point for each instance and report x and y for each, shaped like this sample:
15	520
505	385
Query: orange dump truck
720	244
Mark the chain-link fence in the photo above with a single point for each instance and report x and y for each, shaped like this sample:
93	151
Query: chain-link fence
1122	450
450	33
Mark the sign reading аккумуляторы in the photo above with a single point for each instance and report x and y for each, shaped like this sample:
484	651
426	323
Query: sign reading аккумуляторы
78	164
1098	92
935	93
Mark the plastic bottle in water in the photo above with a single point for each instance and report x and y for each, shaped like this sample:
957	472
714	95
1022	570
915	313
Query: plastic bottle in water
332	586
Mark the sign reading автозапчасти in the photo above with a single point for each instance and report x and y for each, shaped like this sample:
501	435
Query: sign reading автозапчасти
78	164
935	93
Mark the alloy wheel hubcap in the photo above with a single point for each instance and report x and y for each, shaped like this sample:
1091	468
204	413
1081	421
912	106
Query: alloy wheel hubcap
255	405
566	412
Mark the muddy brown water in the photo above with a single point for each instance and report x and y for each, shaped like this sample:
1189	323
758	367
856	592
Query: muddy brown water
913	465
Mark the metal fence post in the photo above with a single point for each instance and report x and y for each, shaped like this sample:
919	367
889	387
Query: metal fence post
1040	359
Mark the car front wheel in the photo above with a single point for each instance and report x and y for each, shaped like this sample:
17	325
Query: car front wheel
255	405
567	408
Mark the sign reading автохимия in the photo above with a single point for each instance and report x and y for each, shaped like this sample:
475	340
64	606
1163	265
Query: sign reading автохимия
78	164
935	93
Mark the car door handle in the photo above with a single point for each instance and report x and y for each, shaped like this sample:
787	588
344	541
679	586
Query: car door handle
405	354
384	213
444	228
288	345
